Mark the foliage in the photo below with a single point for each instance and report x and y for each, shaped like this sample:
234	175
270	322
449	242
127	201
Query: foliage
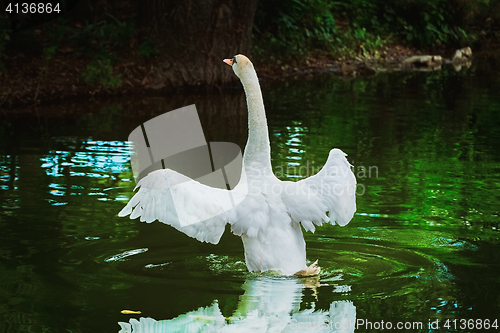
103	35
98	41
55	36
428	23
295	28
100	70
147	49
5	33
420	23
357	41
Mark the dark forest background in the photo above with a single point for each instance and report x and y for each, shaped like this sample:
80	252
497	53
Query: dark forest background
163	44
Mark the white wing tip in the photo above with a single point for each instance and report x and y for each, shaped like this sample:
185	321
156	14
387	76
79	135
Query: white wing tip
125	211
336	151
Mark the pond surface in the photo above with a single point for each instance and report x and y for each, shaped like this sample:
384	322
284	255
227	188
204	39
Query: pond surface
423	245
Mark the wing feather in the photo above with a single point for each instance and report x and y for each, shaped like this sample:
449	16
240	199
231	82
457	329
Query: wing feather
195	209
332	190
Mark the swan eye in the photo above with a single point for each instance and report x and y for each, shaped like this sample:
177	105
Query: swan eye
234	60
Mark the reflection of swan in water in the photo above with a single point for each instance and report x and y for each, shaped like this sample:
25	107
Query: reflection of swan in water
269	304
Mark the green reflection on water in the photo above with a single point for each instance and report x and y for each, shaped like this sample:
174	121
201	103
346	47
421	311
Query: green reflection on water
423	245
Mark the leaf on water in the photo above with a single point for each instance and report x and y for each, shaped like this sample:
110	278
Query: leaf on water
130	312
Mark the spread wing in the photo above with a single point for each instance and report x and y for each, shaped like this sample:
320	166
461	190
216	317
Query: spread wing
332	190
195	209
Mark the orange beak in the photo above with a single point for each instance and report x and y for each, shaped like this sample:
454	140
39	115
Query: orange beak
228	61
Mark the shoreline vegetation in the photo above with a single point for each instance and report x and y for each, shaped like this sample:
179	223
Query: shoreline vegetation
107	51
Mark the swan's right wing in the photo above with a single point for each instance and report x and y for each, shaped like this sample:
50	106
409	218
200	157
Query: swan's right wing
195	209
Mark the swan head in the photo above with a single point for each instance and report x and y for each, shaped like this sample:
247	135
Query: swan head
242	67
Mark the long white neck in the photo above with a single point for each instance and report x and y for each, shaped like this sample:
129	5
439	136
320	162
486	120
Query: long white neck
258	149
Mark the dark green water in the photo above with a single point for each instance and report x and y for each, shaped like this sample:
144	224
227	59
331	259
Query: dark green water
423	246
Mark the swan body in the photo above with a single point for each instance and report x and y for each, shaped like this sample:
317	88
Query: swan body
271	213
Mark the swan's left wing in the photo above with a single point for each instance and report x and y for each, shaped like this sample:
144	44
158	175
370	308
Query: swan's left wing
193	208
332	190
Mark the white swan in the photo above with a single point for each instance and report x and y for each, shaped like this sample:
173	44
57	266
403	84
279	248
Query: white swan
270	216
